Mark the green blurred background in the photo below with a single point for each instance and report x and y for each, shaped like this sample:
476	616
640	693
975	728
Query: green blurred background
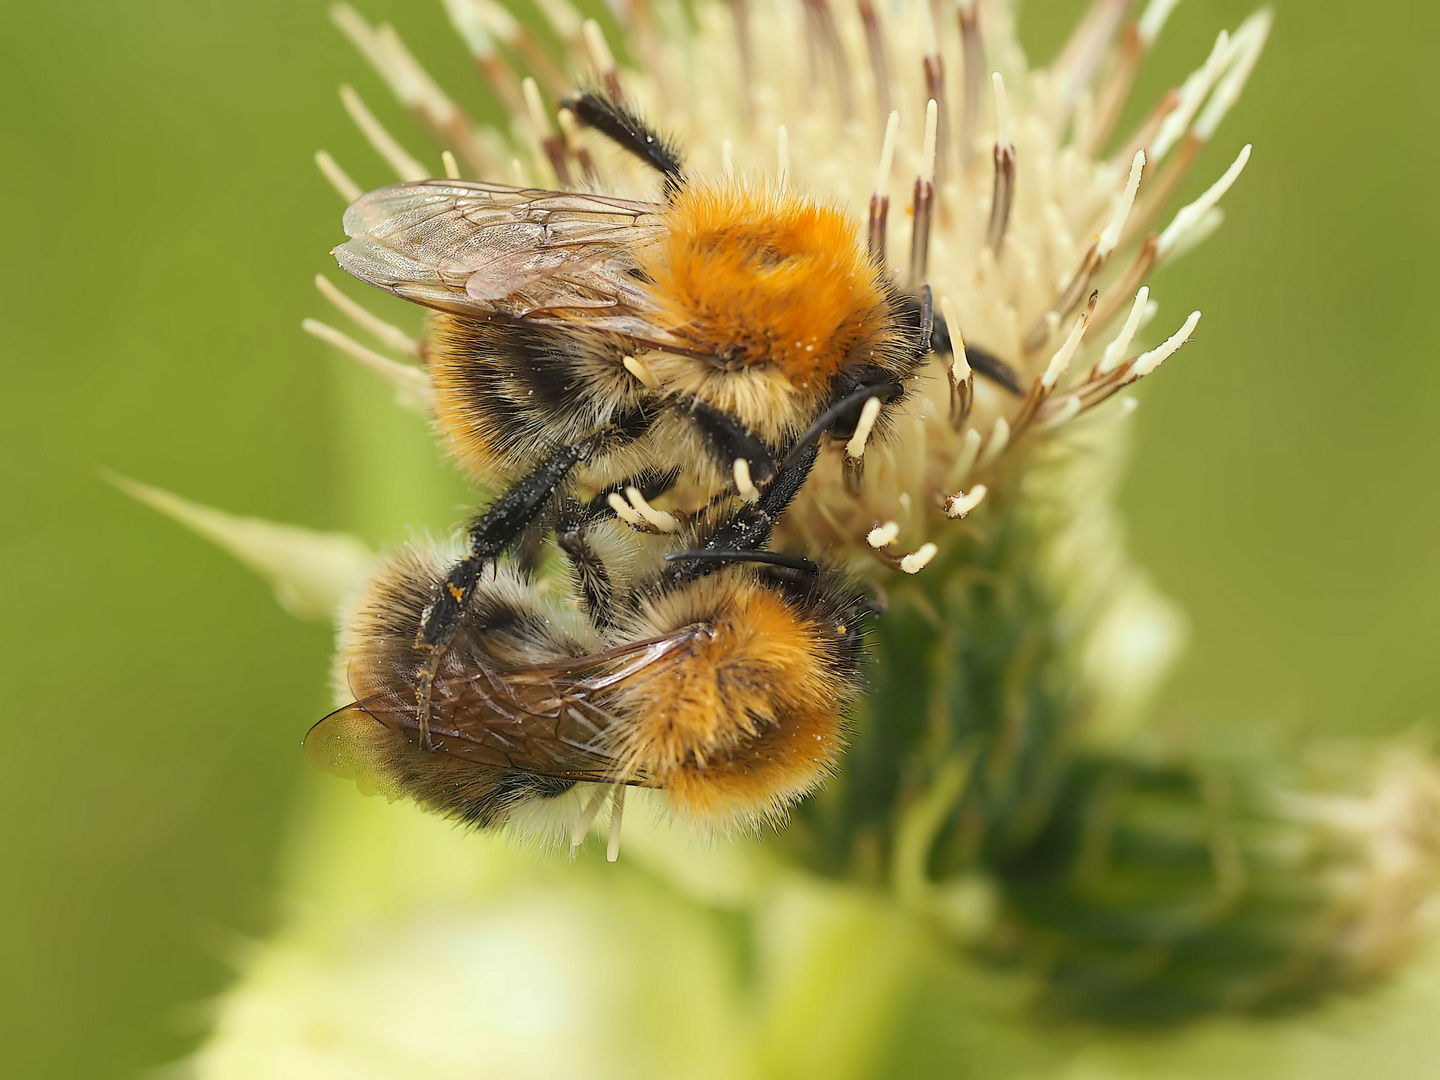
162	222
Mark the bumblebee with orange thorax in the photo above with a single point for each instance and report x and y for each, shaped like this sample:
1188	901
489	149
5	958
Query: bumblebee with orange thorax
719	677
627	347
711	329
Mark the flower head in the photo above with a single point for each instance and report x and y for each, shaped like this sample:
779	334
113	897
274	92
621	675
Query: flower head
999	194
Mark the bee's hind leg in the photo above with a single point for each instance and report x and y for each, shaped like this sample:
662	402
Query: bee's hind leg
626	130
494	532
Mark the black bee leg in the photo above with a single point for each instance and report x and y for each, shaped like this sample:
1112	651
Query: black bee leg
729	441
627	131
749	528
590	572
798	563
994	369
494	533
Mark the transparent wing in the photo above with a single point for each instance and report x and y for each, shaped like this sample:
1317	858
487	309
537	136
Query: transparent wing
549	719
489	249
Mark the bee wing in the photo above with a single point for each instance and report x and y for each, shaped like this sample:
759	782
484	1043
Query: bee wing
549	719
488	249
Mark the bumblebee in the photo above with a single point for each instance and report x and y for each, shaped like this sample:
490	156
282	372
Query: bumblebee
718	675
622	346
712	328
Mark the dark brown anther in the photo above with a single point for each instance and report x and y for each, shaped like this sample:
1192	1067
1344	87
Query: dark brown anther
1004	195
920	237
879	214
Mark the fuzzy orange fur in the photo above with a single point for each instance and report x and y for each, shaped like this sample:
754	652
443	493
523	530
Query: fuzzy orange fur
747	720
756	275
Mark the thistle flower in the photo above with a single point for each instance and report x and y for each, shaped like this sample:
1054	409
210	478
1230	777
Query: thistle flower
994	790
1031	243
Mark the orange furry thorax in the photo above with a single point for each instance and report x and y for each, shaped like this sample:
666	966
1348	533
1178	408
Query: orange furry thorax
747	720
754	276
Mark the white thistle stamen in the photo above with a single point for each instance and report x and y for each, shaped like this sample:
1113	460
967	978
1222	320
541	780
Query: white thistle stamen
1153	19
450	165
928	146
855	448
564	18
961	503
727	159
1192	93
1198	233
1145	363
1111	236
601	56
1245	48
883	535
1136	41
410	82
965	460
1002	111
535	107
380	140
887	155
960	364
1189	216
624	511
1115	351
1060	362
1088	42
475	29
587	816
918	560
744	485
933	65
612	846
339	179
574	144
552	147
659	520
413	384
392	337
1069	408
782	157
996	444
641	370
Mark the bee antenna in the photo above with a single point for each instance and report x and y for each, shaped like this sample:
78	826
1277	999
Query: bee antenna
769	558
